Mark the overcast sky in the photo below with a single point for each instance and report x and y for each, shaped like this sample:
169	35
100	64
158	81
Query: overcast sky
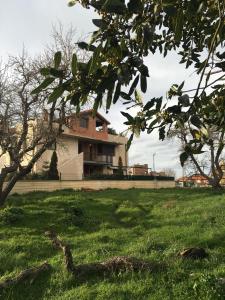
29	23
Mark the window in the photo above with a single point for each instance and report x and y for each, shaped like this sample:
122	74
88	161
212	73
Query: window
100	148
106	149
99	125
84	122
80	148
109	150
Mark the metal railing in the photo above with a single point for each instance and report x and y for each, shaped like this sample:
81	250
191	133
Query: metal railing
101	158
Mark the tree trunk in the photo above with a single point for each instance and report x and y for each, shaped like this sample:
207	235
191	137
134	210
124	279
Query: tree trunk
215	183
2	198
5	191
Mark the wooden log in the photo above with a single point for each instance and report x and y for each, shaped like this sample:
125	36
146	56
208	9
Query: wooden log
114	264
194	253
26	274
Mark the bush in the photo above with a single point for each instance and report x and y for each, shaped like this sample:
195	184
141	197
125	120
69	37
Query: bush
74	216
53	173
128	177
11	215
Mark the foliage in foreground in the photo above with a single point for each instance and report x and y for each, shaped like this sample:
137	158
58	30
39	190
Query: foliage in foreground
150	224
128	31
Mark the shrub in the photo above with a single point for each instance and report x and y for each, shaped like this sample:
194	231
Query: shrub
11	215
75	216
53	173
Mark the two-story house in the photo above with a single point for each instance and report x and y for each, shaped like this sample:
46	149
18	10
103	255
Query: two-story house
86	148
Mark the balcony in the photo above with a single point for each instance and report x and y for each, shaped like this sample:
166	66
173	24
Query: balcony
98	158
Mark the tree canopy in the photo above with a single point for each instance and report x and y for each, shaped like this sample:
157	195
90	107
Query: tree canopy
128	31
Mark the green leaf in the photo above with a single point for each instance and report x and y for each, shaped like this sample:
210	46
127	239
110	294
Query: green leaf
175	109
97	103
179	25
128	116
158	103
125	96
135	6
75	99
45	71
97	3
134	85
149	104
117	93
184	100
57	92
162	133
143	84
94	60
83	45
129	142
183	158
43	85
74	64
72	3
56	73
196	134
115	6
57	59
144	70
196	121
99	23
109	98
138	97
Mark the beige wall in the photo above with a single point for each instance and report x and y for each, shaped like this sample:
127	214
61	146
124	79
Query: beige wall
29	186
70	163
4	161
120	149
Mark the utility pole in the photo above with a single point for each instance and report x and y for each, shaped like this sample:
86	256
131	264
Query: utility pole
155	179
153	157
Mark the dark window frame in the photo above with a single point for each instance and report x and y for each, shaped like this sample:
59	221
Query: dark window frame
84	122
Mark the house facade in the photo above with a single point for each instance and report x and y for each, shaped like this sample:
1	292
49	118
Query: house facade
195	180
139	169
85	148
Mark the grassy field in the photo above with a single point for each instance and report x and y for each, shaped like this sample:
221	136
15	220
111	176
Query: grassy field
150	224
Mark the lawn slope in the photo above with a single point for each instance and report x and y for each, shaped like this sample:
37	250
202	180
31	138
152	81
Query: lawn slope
150	224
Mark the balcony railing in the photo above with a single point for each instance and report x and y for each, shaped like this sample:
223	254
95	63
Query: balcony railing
100	158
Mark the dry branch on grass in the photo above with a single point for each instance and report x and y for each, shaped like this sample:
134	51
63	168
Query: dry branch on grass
194	253
31	273
114	264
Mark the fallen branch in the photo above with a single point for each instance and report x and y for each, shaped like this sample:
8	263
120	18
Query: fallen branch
24	275
194	253
115	264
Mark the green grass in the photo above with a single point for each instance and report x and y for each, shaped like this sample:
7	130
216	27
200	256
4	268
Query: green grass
150	224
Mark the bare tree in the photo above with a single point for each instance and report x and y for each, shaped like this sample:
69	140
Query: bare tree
206	158
169	172
30	123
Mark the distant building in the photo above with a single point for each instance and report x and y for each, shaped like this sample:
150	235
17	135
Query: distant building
138	169
222	163
195	180
154	173
85	148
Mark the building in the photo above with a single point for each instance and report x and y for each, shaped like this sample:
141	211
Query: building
195	180
85	148
222	164
138	169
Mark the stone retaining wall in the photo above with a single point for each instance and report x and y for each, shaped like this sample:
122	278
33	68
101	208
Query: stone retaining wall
29	186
